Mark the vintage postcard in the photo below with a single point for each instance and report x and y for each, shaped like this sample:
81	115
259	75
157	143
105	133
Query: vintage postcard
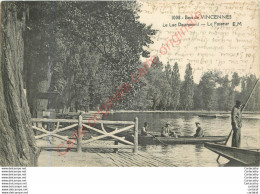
168	83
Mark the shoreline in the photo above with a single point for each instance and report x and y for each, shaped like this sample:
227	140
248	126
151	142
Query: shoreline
180	111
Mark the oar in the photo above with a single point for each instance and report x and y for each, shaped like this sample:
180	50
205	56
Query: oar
241	111
156	138
250	94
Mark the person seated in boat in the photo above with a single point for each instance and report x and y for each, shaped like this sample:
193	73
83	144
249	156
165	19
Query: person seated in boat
199	131
144	129
173	134
167	132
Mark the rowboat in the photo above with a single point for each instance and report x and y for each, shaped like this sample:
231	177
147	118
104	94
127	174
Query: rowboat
214	116
243	156
223	116
209	116
156	139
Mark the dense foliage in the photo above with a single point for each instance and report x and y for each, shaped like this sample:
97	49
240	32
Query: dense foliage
83	51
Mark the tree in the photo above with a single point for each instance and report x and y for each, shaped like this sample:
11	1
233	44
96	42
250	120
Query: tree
207	85
235	80
17	141
38	50
187	90
224	95
168	72
197	98
159	92
176	85
142	100
116	42
89	38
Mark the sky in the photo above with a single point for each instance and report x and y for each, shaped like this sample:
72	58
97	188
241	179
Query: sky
228	42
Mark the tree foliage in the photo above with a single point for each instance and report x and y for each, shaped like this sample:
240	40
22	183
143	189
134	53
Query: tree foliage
84	51
89	49
176	86
187	90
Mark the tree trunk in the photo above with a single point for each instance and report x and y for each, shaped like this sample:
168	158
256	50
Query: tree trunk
17	141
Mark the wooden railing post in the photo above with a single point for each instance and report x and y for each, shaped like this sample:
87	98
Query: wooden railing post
116	149
79	148
136	135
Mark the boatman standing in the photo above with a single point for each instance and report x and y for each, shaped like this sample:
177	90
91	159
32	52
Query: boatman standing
199	131
236	122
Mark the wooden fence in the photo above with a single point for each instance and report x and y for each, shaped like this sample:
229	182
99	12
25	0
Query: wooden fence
49	128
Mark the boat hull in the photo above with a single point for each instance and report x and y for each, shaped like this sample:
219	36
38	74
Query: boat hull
243	156
214	116
150	140
208	116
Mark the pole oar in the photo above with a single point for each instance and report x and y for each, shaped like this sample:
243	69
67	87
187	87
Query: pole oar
250	95
226	142
241	111
156	138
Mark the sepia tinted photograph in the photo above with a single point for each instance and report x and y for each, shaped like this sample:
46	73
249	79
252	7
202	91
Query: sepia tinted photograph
130	83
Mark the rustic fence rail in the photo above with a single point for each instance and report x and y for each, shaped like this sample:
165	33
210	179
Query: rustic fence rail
49	128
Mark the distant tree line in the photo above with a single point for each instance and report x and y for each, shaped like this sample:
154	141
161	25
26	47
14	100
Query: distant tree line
164	90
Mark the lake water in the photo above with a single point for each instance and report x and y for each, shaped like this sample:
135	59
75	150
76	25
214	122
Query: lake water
192	155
